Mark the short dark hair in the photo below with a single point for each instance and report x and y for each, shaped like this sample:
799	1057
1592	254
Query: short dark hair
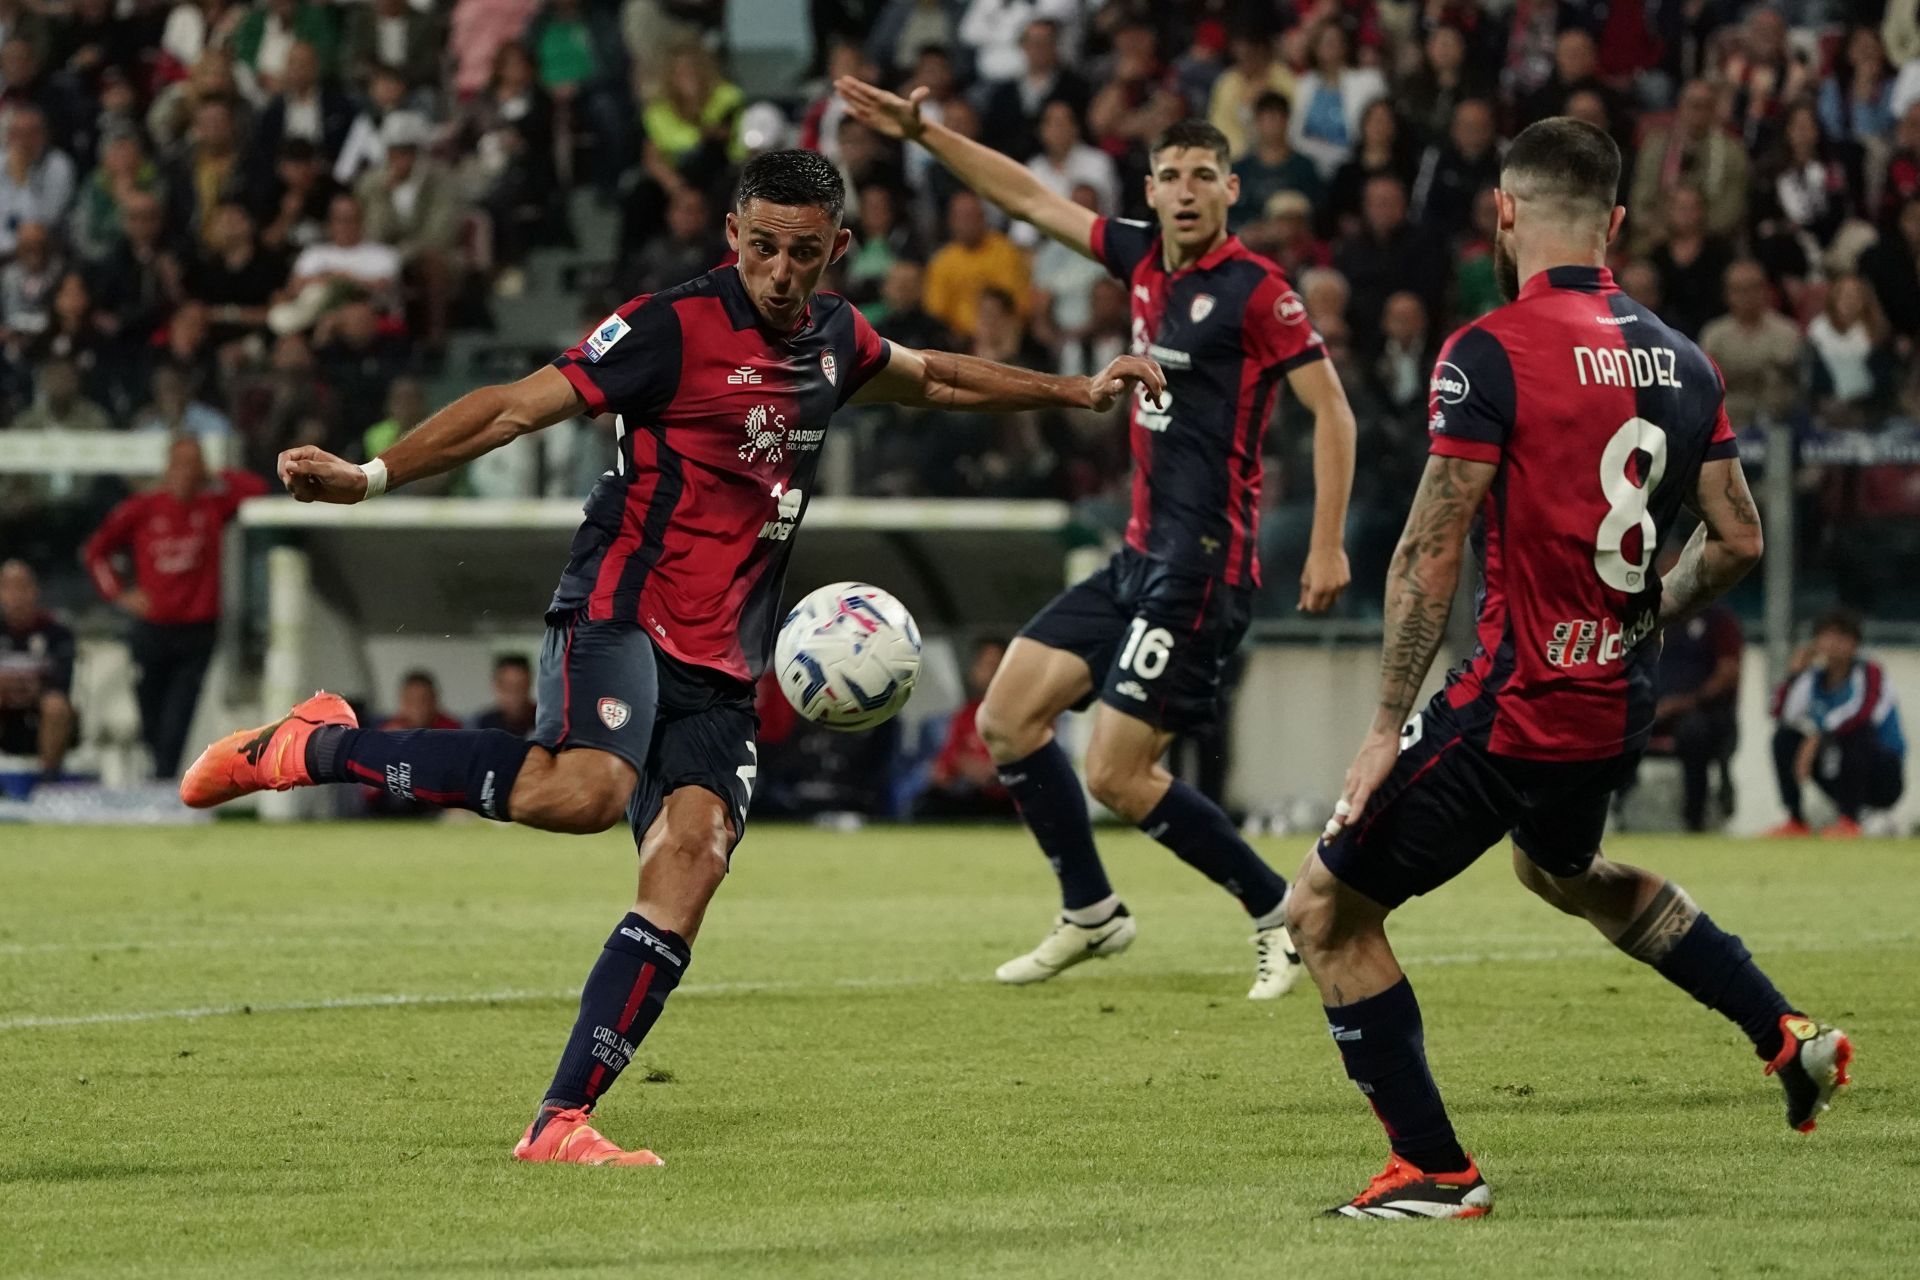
792	177
1271	101
1844	620
517	661
1195	134
1565	160
420	677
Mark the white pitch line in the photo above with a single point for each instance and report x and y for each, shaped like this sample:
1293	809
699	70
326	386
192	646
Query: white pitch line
408	1000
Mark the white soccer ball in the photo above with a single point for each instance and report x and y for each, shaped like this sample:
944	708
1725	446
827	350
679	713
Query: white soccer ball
847	656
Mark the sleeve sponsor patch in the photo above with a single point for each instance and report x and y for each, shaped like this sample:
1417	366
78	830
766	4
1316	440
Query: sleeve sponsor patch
604	335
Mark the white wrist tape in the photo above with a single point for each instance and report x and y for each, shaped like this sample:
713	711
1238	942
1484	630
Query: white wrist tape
376	474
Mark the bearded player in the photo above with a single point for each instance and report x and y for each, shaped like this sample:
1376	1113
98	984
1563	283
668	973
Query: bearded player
1568	429
1149	635
665	615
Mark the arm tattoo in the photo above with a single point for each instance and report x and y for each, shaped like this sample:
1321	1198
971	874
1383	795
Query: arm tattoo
1683	592
1652	934
1421	582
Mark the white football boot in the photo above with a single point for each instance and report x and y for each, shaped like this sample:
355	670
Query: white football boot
1276	965
1067	946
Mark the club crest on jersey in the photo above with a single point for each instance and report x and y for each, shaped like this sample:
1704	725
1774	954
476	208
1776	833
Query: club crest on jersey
614	713
1449	385
1288	309
828	367
601	340
766	435
1202	308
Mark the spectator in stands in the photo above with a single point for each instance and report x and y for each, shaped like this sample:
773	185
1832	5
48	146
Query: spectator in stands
412	203
1640	280
36	674
175	411
347	268
359	358
1065	162
963	781
1135	105
60	406
395	36
692	124
1695	717
1856	97
25	83
975	258
1092	335
1270	165
365	149
307	107
1387	254
209	170
1240	90
513	710
303	190
75	335
586	85
100	207
1330	98
1576	69
1692	263
1399	375
1444	79
1011	114
1384	152
902	29
170	120
1063	283
1853	366
1839	726
419	708
1455	170
36	180
1292	243
995	31
882	237
1000	334
1804	192
508	133
687	249
1765	74
1759	351
27	286
1891	267
173	535
187	344
97	39
901	315
1692	151
477	32
1476	290
141	279
233	276
264	40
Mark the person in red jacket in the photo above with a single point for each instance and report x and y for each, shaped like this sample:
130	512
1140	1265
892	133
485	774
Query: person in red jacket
964	782
172	535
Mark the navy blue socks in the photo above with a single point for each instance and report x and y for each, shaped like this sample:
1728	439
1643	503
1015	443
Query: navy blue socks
453	768
1715	968
1383	1044
1047	792
638	969
1204	838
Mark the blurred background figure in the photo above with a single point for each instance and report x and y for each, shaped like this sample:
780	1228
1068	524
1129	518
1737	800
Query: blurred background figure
1696	719
172	536
418	708
36	674
513	709
1839	727
961	781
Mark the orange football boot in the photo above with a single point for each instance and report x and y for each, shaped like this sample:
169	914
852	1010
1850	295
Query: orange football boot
1791	829
567	1138
1402	1191
1843	828
270	758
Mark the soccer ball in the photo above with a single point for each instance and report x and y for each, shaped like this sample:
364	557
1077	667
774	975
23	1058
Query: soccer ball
847	656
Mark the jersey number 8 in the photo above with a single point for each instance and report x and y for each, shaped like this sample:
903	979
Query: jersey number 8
1147	651
1627	503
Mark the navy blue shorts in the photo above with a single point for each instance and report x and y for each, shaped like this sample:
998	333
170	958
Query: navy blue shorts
609	687
1447	801
1157	638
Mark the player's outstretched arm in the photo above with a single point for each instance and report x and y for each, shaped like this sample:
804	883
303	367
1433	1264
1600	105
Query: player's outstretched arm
1326	573
1005	182
478	422
1723	549
1420	586
943	380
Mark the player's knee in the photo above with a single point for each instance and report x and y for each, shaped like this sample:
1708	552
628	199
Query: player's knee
1117	784
1008	736
690	854
1541	884
1312	917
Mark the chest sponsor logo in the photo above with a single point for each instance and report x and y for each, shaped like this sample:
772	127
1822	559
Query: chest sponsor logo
601	340
828	368
766	435
787	504
1202	308
1289	309
745	376
1169	357
1449	385
614	713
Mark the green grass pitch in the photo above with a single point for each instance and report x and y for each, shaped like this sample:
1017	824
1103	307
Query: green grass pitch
841	1090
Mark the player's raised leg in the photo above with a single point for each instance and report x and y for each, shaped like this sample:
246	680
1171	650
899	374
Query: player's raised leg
1653	920
1125	773
1035	684
683	859
1375	1022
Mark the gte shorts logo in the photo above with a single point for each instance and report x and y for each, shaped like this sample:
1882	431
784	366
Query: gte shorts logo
787	504
601	340
828	367
1449	385
766	434
614	713
1288	309
1202	308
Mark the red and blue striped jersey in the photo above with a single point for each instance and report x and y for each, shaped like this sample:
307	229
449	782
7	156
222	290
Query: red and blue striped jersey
718	429
1225	330
1598	417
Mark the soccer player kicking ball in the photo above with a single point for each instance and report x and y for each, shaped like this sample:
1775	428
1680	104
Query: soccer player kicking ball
666	613
1568	428
1150	633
